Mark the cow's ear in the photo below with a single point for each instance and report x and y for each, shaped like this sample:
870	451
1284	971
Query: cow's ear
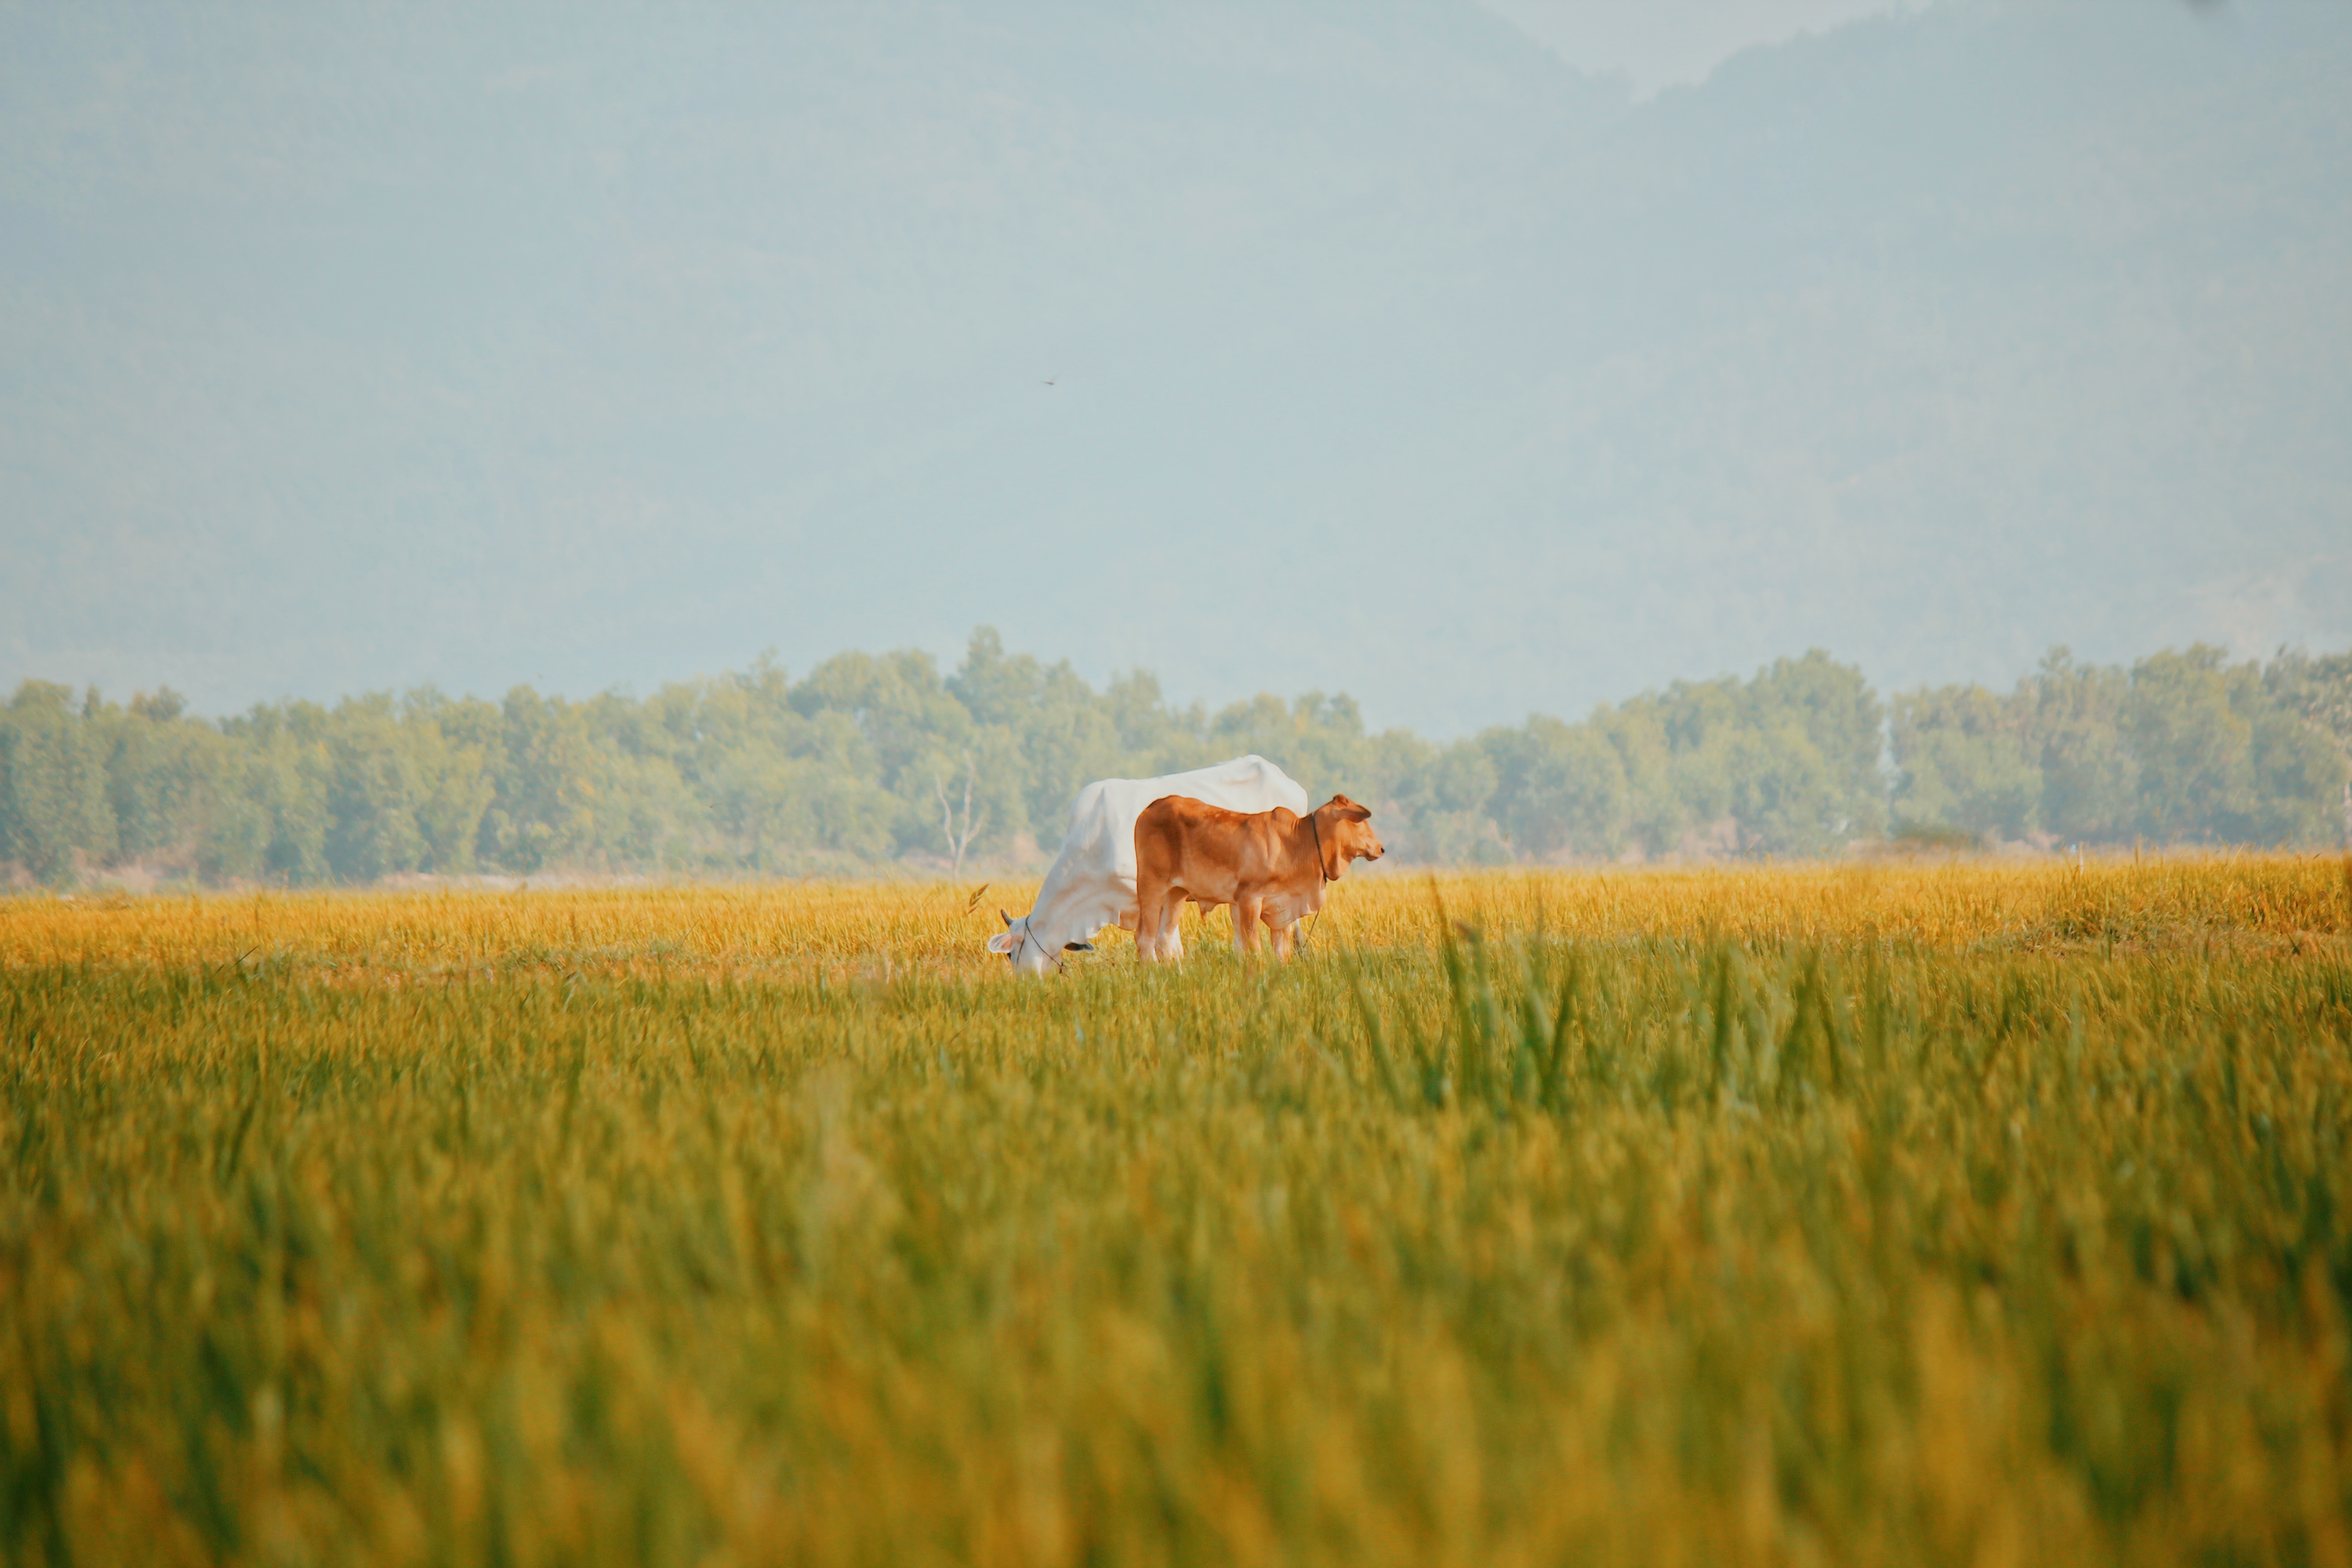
1000	910
1349	811
1000	942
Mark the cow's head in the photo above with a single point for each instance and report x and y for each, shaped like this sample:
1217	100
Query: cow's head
1025	950
1347	831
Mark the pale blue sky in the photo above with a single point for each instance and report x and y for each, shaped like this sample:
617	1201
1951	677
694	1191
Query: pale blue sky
1666	42
347	347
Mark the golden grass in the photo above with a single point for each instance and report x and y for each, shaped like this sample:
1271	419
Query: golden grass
863	925
1962	1213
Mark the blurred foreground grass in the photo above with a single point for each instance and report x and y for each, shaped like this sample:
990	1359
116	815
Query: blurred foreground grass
1965	1214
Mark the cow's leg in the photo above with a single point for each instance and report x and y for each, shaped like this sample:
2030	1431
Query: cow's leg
1281	941
1149	898
1248	908
1202	909
1172	930
1156	924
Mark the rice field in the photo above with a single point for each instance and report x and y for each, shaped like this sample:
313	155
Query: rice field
1959	1214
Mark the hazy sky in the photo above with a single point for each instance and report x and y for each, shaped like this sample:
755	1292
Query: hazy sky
1663	43
346	347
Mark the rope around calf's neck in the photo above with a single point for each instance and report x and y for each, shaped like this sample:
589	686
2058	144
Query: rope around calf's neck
1315	924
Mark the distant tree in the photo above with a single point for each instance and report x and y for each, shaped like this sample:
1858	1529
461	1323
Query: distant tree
1154	738
2193	744
1790	758
1317	740
1044	735
282	775
1436	802
373	791
957	831
160	772
538	815
1960	762
906	715
1700	721
2318	693
2300	791
449	745
233	840
1840	719
54	811
1656	814
877	756
2071	724
1786	798
1559	788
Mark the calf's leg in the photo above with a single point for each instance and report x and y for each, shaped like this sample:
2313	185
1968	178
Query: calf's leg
1150	895
1171	928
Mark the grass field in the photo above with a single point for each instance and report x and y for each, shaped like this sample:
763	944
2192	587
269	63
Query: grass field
1965	1214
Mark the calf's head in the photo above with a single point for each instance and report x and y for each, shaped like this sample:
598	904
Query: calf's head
1347	830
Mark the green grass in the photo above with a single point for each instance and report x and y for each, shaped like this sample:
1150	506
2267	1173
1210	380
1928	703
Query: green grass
1508	1247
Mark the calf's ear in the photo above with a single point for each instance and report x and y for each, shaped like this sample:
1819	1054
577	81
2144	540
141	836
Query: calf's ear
1000	942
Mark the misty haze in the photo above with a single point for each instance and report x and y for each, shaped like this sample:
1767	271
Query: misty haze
1475	362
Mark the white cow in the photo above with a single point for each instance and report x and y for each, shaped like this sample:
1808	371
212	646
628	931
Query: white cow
1092	883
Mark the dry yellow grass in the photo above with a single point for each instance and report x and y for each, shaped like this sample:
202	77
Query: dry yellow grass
865	924
1968	1214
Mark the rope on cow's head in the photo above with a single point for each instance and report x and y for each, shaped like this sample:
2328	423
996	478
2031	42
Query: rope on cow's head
1027	936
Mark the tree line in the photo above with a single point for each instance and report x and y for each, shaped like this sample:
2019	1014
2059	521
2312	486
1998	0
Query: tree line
874	760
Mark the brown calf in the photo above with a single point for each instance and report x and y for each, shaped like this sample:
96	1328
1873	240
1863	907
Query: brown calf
1271	866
